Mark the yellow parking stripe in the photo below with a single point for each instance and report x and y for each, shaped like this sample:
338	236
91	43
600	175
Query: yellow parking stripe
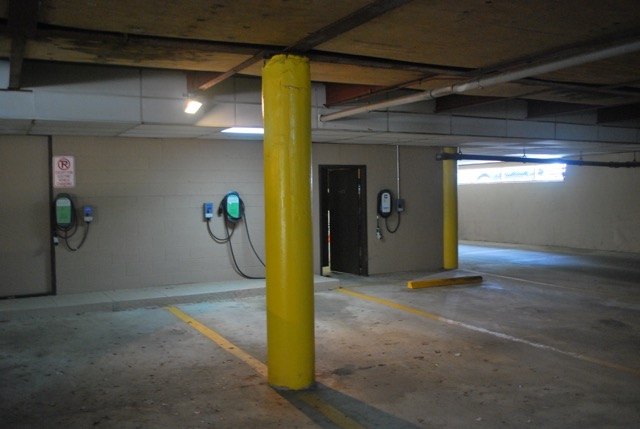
311	398
221	341
332	413
487	331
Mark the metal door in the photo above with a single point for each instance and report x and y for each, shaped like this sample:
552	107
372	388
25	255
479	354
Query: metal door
345	219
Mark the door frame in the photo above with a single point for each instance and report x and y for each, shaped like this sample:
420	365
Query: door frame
323	170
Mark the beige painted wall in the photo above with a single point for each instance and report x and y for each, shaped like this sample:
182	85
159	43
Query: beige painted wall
417	245
594	208
25	241
148	196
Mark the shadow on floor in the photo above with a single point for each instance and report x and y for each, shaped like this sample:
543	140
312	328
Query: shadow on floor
329	408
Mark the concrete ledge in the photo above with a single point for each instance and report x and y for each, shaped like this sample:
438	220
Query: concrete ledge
126	299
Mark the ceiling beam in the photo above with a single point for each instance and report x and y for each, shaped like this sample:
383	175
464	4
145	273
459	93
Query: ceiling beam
357	18
526	160
349	22
21	25
342	93
540	109
629	112
533	68
234	70
97	43
454	102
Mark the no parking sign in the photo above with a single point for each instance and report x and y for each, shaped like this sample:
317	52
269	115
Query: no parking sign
64	171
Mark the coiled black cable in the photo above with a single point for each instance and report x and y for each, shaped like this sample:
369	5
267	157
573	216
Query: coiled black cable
215	237
386	224
233	256
246	226
68	231
229	228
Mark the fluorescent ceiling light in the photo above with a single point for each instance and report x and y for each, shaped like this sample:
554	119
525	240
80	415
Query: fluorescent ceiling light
192	106
244	130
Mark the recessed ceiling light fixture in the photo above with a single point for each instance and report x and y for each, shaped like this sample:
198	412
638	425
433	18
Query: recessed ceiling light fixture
192	105
244	130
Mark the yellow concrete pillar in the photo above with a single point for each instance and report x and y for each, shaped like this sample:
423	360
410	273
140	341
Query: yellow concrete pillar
450	211
286	102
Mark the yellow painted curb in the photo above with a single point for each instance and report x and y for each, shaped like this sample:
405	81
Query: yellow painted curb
418	284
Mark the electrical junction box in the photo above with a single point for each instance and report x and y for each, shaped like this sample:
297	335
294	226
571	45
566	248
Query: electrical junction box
88	214
400	205
207	209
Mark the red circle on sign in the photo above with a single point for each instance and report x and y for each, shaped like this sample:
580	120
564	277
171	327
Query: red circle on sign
64	164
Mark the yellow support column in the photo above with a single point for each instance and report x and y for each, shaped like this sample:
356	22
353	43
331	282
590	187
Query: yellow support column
450	211
286	102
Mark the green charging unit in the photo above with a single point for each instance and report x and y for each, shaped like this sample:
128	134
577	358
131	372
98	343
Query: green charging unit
233	206
63	210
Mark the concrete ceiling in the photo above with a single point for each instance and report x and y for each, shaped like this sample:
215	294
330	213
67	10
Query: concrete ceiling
365	51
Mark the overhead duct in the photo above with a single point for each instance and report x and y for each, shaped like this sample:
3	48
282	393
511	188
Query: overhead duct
579	162
557	62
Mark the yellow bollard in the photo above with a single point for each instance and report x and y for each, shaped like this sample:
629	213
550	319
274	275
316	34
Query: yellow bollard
450	212
286	101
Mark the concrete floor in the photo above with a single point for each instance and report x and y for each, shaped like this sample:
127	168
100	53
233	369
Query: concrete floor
549	339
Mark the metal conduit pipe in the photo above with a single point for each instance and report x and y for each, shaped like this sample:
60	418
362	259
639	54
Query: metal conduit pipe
579	162
397	171
558	62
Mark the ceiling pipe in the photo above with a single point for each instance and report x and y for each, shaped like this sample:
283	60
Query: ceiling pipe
558	62
579	162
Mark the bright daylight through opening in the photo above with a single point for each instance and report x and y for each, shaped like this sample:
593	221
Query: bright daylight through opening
501	172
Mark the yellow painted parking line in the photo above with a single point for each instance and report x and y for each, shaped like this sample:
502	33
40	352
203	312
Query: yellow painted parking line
419	284
330	412
596	361
311	398
254	363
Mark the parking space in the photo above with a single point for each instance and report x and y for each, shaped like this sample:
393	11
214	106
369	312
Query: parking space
526	347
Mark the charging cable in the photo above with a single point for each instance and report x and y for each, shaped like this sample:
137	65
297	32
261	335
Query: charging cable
68	231
230	223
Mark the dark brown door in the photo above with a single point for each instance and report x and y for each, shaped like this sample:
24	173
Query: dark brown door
344	219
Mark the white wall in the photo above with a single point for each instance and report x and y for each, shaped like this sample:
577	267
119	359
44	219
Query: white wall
594	208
